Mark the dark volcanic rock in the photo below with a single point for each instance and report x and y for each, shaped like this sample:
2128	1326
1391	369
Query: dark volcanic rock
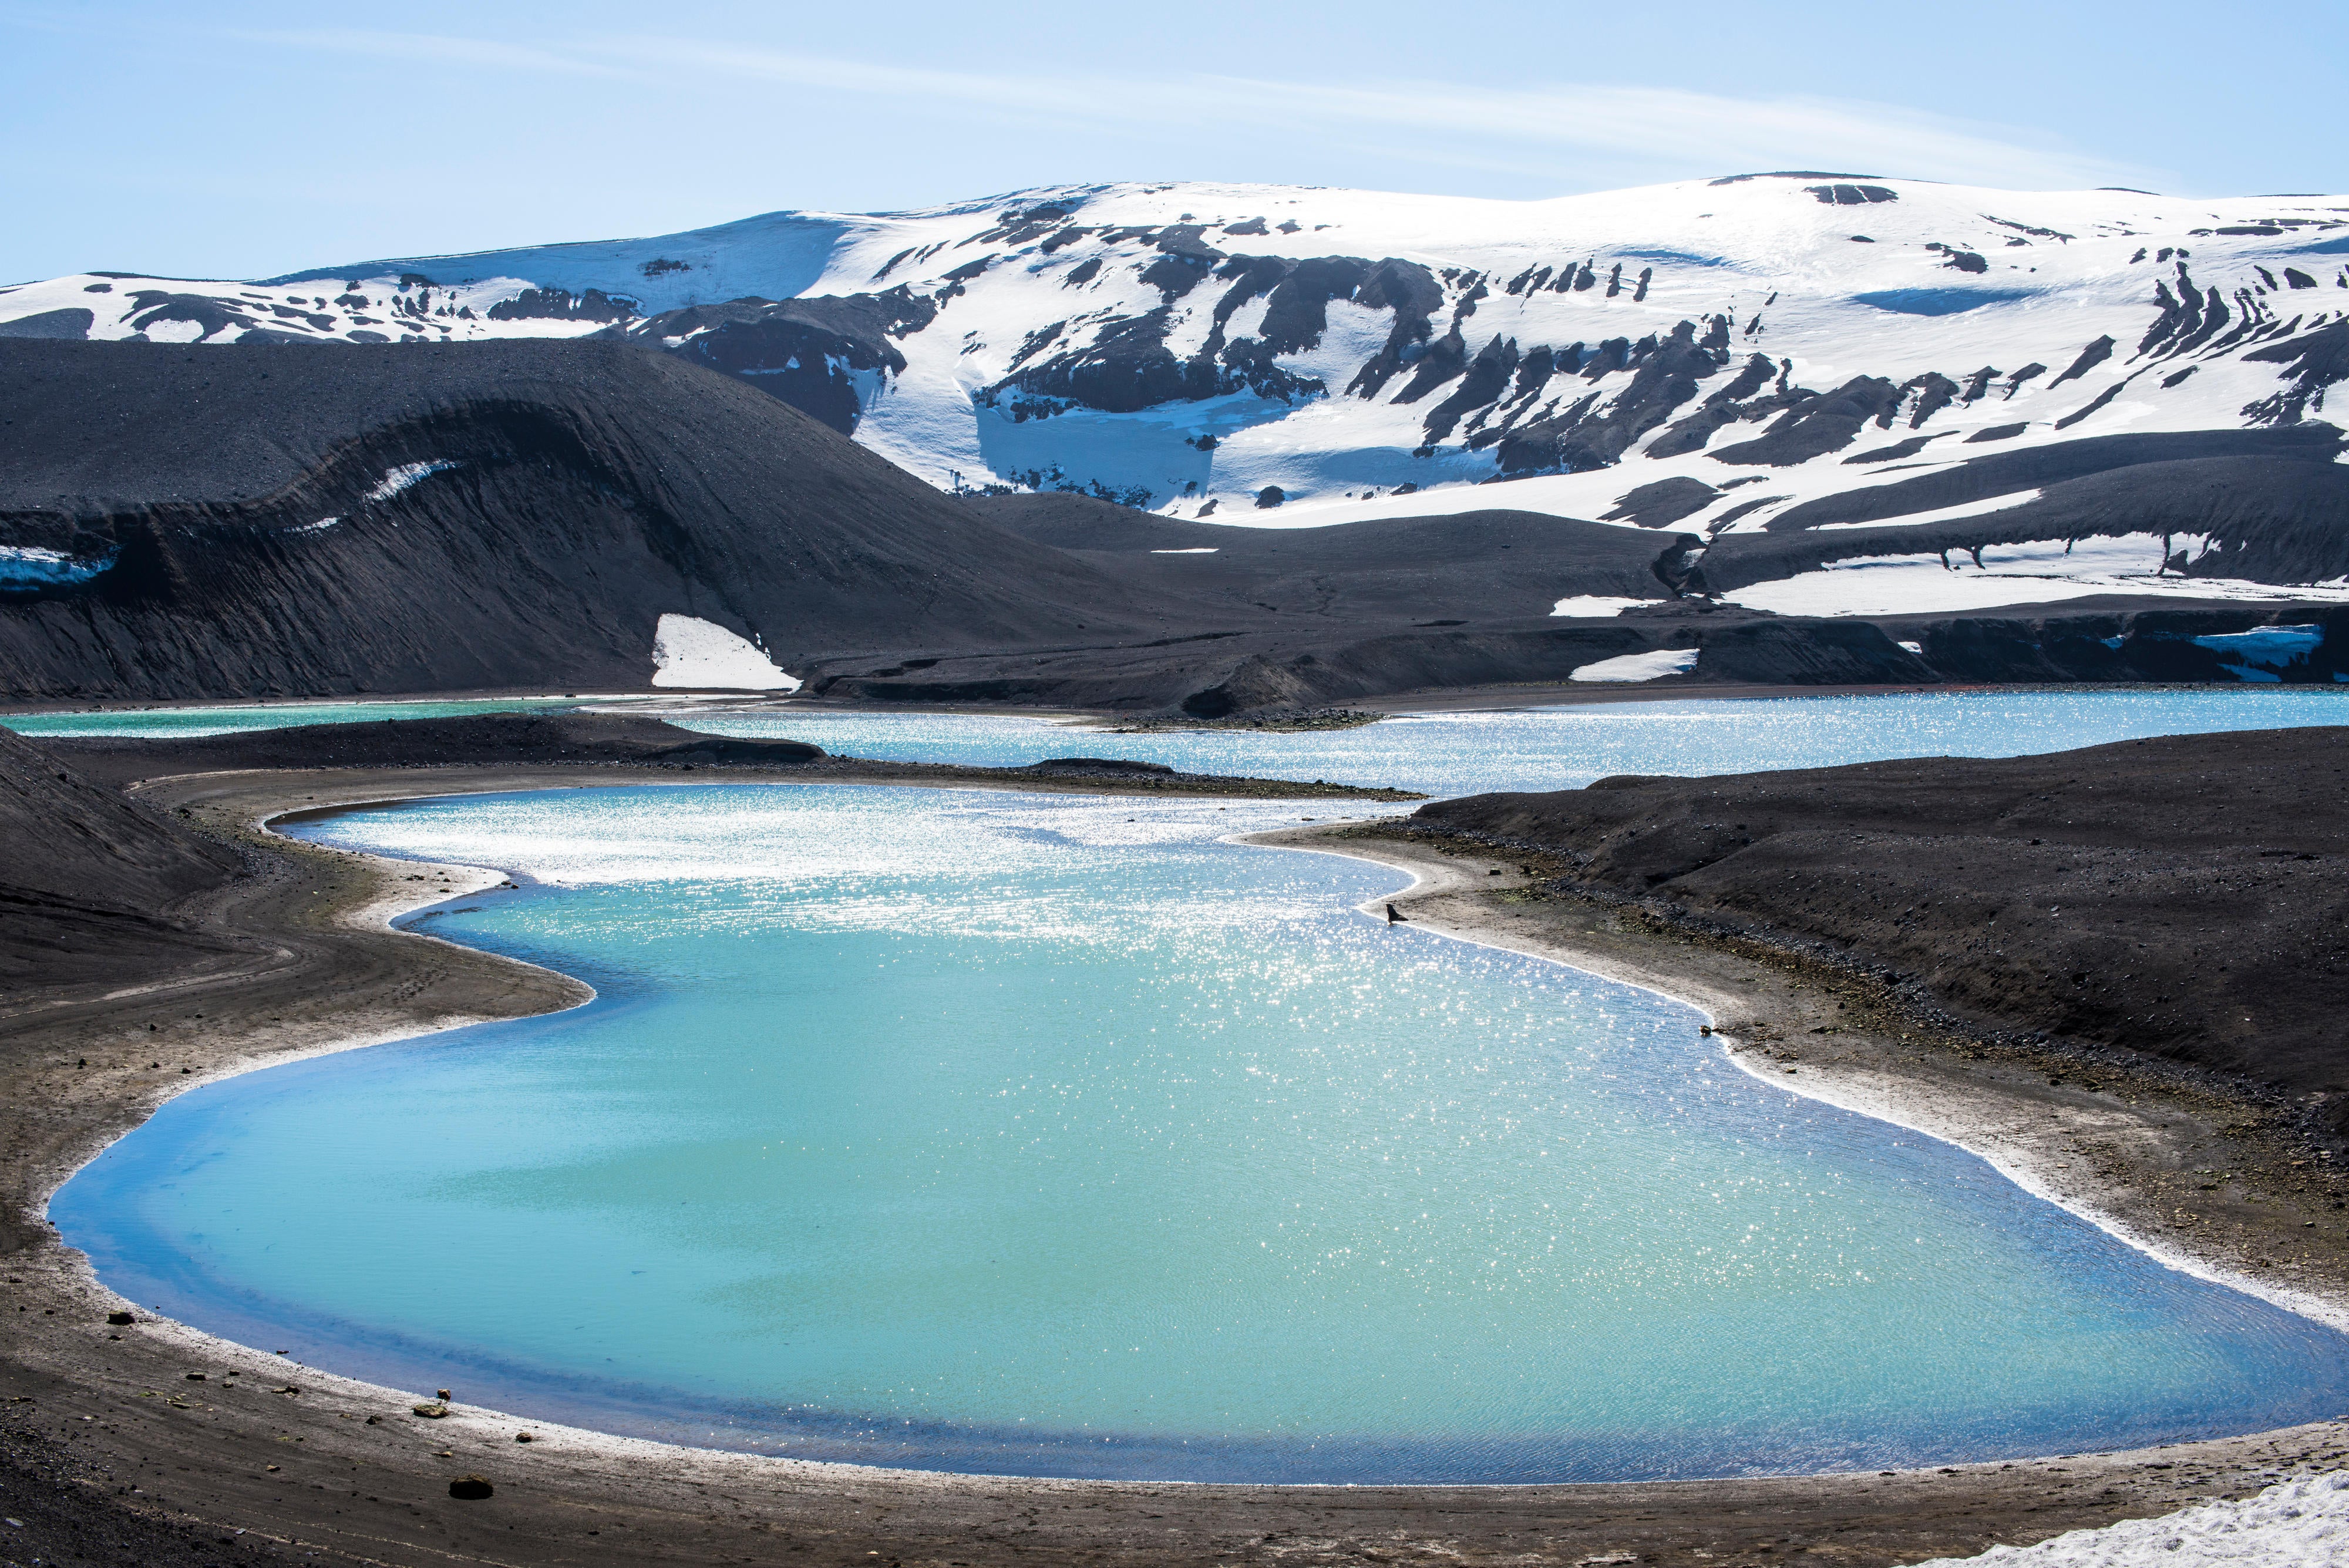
808	352
2185	898
1662	502
1667	377
1822	425
87	877
1097	766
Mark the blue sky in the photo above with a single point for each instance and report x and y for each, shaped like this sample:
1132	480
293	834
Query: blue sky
222	140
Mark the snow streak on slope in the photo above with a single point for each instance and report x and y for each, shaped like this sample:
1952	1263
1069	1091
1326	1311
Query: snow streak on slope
1706	355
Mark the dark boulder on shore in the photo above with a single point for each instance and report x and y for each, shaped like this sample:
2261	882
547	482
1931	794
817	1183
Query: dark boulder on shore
2186	897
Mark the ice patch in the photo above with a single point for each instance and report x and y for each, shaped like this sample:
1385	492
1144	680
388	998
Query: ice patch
1938	301
1916	648
692	652
1594	604
2266	649
30	567
396	480
2294	1521
1194	550
1653	666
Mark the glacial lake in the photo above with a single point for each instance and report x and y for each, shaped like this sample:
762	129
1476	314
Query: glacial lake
1056	1135
1440	753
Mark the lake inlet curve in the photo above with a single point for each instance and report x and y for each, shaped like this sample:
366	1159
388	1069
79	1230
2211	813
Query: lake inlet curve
1050	1135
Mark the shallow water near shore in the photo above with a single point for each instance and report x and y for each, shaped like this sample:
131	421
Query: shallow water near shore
1053	1135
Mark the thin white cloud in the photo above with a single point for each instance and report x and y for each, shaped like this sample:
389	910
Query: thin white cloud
435	49
1665	130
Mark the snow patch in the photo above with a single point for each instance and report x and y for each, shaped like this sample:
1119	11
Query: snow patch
692	652
1942	513
1653	666
320	527
1194	550
2295	1521
406	474
1594	605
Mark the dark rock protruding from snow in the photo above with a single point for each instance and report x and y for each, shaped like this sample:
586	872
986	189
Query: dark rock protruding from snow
1818	426
1669	374
1662	502
808	352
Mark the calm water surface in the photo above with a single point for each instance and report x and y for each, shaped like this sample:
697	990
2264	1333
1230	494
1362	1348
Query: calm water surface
1052	1135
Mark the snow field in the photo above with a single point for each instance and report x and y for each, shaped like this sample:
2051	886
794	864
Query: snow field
689	651
2301	1523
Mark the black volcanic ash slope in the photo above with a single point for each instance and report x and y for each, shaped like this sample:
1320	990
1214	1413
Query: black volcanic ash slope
1489	565
2187	898
241	522
86	877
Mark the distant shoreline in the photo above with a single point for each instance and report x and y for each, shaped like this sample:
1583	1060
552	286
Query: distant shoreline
1482	699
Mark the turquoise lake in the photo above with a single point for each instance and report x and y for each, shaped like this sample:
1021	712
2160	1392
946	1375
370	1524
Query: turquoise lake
1441	754
1055	1134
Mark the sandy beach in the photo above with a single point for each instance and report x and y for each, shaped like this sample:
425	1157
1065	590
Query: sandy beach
112	1447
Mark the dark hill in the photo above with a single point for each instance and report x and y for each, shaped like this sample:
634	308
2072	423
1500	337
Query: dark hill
1487	565
480	740
237	525
2273	519
2187	897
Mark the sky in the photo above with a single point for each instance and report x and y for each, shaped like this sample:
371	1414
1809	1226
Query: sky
217	139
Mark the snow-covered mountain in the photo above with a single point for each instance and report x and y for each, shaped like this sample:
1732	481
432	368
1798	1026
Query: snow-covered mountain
1828	355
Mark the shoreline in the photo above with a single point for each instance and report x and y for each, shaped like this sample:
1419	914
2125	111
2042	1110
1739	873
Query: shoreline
1970	1110
68	1373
